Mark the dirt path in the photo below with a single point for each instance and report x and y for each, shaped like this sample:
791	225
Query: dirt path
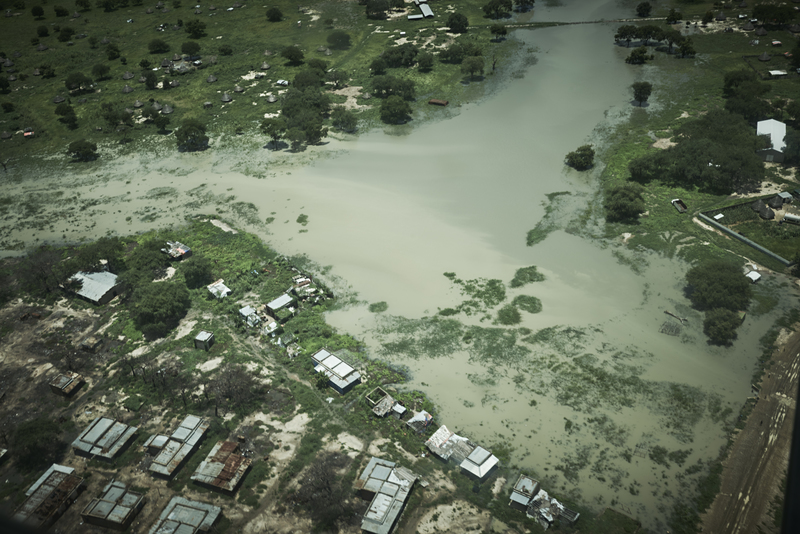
760	455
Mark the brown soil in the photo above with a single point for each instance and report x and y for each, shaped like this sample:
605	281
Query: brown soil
759	457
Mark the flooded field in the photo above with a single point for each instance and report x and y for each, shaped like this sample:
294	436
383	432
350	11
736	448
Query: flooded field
587	393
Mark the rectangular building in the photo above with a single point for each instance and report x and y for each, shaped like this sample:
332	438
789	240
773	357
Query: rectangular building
115	507
224	467
171	451
66	384
98	288
49	497
479	463
104	438
523	492
342	376
182	516
388	486
446	445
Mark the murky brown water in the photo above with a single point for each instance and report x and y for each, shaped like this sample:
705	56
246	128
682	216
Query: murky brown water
391	214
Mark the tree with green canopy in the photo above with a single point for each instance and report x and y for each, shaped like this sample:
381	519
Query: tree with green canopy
625	203
293	55
720	325
191	136
274	128
82	150
274	14
641	91
197	271
339	39
582	158
457	23
157	307
395	110
718	284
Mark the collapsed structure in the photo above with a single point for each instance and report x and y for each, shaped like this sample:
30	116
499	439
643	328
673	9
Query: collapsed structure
472	459
176	250
115	507
171	451
388	486
182	516
49	497
224	467
382	403
66	384
537	503
104	438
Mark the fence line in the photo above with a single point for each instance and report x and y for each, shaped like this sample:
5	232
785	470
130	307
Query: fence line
744	240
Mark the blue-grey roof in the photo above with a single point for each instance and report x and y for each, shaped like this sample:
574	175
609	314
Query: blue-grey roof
184	516
426	10
116	504
95	285
104	437
280	302
180	444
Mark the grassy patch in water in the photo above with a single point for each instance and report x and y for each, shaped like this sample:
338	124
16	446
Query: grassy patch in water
527	303
509	315
526	275
378	307
548	223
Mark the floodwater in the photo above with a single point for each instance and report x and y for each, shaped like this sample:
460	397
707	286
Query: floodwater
392	213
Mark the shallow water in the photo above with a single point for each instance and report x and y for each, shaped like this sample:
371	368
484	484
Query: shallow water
391	213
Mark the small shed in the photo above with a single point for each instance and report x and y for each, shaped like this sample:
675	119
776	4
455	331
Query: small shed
174	84
438	102
786	196
104	438
250	316
776	131
66	384
420	421
204	340
238	89
720	17
753	276
416	17
219	289
58	99
115	507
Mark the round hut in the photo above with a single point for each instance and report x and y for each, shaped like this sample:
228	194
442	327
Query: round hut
272	99
176	57
174	84
149	11
212	8
165	64
129	111
766	213
142	79
321	49
127	89
775	202
5	135
159	5
36	72
8	63
167	109
267	52
328	52
238	89
721	17
211	78
207	104
197	12
748	27
76	15
58	99
138	104
764	57
757	205
128	75
366	96
265	66
12	78
794	28
761	32
226	97
41	48
157	106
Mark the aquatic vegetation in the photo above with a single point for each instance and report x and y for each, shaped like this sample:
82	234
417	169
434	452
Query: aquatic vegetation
548	223
526	275
378	307
483	294
527	303
508	315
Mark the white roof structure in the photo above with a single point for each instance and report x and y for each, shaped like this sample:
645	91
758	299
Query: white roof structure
524	490
753	276
173	450
340	373
204	335
250	315
776	131
427	12
94	286
280	302
778	73
446	444
104	437
219	289
479	462
390	486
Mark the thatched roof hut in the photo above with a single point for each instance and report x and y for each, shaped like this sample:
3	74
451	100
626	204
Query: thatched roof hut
366	96
8	63
238	89
138	104
272	99
41	48
5	135
142	79
766	213
761	32
128	75
197	12
76	15
321	49
129	111
748	27
267	52
174	83
37	72
721	17
794	28
328	52
127	89
764	57
149	11
265	66
775	202
176	57
212	8
226	97
211	78
167	109
165	64
182	68
157	106
12	78
159	5
757	205
58	99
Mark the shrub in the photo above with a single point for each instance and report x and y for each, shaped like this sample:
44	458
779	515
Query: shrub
274	14
582	158
158	46
339	39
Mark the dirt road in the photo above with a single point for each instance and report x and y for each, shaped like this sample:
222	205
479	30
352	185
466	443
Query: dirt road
760	454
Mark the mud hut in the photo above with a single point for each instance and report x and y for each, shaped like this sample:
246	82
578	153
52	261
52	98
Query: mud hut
775	202
128	75
157	106
127	89
176	57
167	109
138	104
58	99
226	97
238	89
265	66
748	27
761	32
764	57
5	135
211	78
165	64
174	84
766	214
757	205
41	48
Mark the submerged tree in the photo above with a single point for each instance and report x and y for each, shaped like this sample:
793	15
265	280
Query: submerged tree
582	158
641	91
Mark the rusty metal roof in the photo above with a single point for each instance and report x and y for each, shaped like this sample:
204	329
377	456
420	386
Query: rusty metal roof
223	468
49	496
116	504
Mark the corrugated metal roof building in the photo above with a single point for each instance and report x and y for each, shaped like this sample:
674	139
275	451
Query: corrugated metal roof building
49	497
776	131
342	376
115	507
219	289
104	438
523	492
224	468
66	384
446	445
427	12
171	451
182	516
99	288
479	462
389	487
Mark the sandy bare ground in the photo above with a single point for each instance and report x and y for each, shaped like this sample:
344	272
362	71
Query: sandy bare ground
664	143
760	454
351	92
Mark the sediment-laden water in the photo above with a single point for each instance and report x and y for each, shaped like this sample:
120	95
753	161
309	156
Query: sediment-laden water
588	394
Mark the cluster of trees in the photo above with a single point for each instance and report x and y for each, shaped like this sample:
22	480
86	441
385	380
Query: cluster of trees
644	9
651	35
457	23
376	9
715	153
67	114
624	203
774	14
582	158
463	48
191	136
720	290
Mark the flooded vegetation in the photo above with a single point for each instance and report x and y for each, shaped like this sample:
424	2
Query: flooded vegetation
466	252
